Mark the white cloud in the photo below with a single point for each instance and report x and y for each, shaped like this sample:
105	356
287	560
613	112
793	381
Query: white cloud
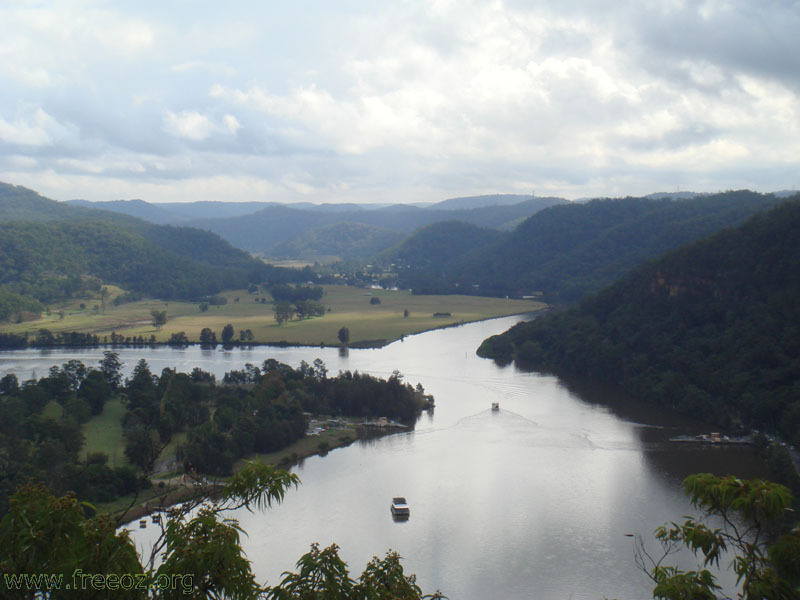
188	124
440	97
34	128
231	123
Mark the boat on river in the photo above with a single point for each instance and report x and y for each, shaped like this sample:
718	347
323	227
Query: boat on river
400	507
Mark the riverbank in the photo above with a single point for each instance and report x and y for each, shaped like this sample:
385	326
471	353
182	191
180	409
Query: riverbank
172	488
396	314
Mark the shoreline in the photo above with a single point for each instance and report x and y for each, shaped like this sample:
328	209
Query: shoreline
357	345
287	459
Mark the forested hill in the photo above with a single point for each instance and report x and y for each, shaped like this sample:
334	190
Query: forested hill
344	240
569	250
436	251
48	249
712	329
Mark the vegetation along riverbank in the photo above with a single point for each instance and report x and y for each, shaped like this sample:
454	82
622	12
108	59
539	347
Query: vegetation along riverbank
372	317
82	429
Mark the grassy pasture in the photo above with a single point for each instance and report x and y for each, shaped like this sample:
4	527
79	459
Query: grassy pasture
349	307
103	433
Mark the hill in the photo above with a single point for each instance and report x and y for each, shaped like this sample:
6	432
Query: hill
18	203
428	258
487	200
49	260
260	231
343	240
569	250
264	227
51	250
165	213
135	208
711	329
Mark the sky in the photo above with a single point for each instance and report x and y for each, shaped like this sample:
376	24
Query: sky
397	101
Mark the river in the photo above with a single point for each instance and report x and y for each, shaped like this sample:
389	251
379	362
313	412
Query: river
533	501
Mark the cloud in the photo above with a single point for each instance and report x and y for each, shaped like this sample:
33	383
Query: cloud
231	123
212	67
193	126
404	101
34	128
188	124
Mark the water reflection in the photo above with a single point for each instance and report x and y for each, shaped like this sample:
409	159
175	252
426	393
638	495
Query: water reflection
531	501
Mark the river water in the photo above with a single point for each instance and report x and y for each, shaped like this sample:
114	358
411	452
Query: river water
533	501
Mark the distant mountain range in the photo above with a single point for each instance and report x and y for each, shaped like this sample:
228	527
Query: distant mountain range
304	230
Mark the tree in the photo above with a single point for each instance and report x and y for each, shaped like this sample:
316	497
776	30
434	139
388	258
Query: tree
159	318
104	297
227	334
76	371
198	550
9	384
208	337
178	339
141	447
749	512
203	306
110	367
324	575
95	391
306	309
374	300
320	370
143	400
44	534
283	312
344	335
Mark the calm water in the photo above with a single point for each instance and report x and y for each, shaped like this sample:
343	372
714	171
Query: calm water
533	501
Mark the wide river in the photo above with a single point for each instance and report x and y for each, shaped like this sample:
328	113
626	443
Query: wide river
533	501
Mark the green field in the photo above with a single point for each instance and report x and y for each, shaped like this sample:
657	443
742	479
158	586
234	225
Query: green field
103	433
349	307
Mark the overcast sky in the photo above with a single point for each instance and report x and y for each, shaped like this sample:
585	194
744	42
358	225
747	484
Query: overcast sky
401	101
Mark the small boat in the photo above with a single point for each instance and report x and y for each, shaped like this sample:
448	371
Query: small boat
495	406
156	519
143	524
400	507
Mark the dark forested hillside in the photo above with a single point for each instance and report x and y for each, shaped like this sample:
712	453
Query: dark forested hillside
344	240
43	260
567	251
50	250
429	258
712	329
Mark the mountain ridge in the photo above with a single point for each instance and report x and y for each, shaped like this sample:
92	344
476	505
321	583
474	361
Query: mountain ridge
711	329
